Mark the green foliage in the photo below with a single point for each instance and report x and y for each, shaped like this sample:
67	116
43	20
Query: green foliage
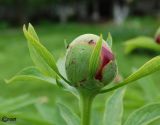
33	41
32	119
114	108
68	115
31	73
141	42
144	115
149	67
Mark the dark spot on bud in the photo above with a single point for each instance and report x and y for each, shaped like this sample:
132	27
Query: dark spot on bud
158	39
91	42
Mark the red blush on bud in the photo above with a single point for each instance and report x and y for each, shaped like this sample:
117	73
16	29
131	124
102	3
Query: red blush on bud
158	39
106	57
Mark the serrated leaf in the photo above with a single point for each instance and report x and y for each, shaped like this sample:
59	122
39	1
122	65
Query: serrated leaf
148	68
31	73
141	43
68	115
95	57
109	40
144	115
114	108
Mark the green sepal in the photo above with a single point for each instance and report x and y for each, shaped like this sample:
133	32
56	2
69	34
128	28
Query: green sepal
95	57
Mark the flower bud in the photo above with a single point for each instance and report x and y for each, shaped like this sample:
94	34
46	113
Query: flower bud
158	39
157	36
78	57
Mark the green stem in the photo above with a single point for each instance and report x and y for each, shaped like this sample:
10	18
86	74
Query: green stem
86	104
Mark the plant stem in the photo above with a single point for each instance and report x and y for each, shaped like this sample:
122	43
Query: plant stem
86	104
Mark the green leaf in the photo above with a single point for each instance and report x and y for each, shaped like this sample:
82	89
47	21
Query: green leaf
50	114
42	51
23	118
109	40
39	49
151	92
31	73
144	115
149	67
114	108
68	115
16	103
141	43
33	32
95	58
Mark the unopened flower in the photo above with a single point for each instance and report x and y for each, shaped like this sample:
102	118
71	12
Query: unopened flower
78	56
157	36
158	39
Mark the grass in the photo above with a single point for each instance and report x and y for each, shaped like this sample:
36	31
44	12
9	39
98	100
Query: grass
14	56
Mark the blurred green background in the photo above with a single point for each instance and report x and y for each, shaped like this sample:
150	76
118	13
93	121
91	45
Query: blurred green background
53	29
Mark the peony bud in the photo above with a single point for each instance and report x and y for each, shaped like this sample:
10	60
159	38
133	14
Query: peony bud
77	61
157	36
158	39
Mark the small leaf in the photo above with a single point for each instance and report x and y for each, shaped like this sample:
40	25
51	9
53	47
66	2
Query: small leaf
68	115
39	49
144	115
114	108
141	43
31	73
42	51
148	68
95	57
109	40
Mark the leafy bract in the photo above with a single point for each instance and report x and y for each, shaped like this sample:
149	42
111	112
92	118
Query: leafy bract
144	115
95	57
141	43
31	73
114	108
38	50
149	67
